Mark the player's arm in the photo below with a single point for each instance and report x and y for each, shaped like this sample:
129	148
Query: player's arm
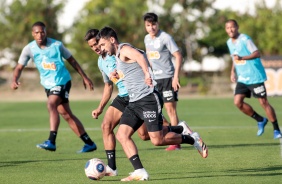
86	81
253	50
233	74
107	93
132	54
177	66
16	75
72	61
23	60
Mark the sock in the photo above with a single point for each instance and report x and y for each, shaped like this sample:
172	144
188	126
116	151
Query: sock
275	125
111	156
52	137
175	129
257	117
135	161
86	139
188	139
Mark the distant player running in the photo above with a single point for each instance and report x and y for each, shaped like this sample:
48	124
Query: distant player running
48	54
248	71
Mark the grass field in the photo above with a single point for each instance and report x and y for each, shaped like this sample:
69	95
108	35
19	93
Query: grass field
236	154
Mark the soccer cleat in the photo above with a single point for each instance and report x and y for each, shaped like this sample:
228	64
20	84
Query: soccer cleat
200	145
186	129
277	134
173	147
47	145
88	148
111	172
137	175
261	126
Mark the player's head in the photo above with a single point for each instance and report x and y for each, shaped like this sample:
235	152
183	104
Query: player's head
151	23
91	38
108	40
39	32
231	28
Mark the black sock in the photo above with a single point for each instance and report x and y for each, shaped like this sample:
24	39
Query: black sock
135	161
86	139
175	129
111	156
275	125
188	139
52	137
257	117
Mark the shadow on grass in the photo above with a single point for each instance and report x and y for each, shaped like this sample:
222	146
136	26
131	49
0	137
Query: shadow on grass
211	146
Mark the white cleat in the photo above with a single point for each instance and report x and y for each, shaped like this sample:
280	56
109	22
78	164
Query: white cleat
200	145
137	175
111	172
186	129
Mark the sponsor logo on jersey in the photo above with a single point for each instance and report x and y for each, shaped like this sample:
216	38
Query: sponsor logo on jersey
48	66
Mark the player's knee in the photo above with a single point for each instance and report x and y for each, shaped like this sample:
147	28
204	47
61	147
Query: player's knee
106	127
157	142
144	137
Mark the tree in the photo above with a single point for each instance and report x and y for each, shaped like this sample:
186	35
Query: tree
124	16
17	18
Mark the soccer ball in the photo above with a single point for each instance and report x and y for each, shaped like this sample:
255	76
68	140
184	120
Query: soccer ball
95	169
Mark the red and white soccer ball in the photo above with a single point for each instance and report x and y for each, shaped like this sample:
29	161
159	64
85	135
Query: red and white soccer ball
95	169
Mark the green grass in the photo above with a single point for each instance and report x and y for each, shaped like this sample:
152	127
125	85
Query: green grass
236	154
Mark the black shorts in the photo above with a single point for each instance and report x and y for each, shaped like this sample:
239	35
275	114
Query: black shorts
258	90
148	110
167	93
120	103
61	91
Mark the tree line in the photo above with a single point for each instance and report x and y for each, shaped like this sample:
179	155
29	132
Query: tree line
197	27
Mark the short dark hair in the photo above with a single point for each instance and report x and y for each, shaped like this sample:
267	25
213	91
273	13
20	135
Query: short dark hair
91	33
234	21
107	32
150	17
39	23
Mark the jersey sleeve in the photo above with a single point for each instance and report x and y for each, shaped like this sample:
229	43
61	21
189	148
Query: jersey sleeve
251	46
65	52
25	56
170	44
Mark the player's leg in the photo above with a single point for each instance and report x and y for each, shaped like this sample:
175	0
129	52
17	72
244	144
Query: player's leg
110	121
129	123
241	92
54	119
74	123
269	110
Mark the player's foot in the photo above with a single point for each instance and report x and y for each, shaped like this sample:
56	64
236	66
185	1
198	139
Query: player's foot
261	126
88	148
186	129
200	145
277	134
47	145
173	147
111	172
137	175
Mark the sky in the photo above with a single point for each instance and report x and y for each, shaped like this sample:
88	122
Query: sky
74	6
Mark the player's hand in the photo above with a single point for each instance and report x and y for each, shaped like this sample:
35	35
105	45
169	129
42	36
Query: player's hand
175	84
15	85
96	113
148	79
233	77
236	57
88	83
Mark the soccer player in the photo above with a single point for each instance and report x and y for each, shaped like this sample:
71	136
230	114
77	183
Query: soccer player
144	103
248	71
160	48
107	64
48	54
